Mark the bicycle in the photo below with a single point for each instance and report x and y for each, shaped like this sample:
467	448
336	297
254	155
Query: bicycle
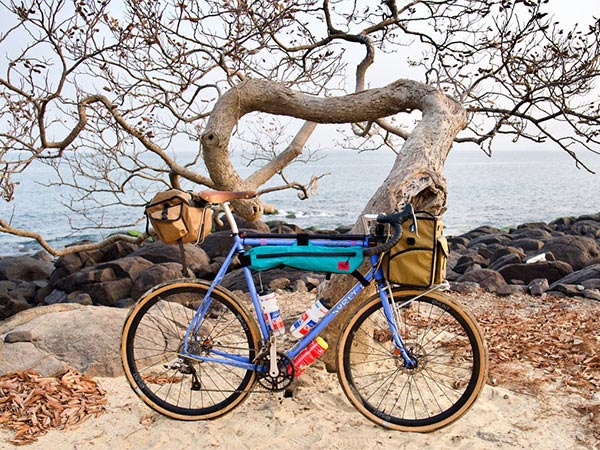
408	359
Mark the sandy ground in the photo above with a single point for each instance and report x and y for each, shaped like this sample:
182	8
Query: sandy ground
542	394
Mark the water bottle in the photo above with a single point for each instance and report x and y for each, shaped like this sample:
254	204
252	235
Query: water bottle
307	356
270	309
310	318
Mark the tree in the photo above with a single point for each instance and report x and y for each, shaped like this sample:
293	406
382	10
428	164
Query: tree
105	91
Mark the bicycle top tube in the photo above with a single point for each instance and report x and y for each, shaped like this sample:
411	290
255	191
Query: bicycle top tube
327	240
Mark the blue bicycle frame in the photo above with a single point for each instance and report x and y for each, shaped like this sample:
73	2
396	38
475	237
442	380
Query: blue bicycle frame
374	272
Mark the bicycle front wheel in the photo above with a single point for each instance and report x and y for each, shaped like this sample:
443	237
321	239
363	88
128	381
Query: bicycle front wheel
181	387
445	342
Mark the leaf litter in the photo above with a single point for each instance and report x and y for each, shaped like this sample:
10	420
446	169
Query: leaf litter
31	405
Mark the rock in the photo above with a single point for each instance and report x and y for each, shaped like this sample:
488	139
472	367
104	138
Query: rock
511	258
10	305
24	291
593	283
465	287
510	289
84	277
17	336
538	286
154	275
508	250
489	239
562	223
56	296
527	245
578	251
593	294
314	280
467	261
42	255
52	339
160	253
217	244
117	250
484	229
108	293
581	276
280	283
569	290
551	270
129	266
460	241
488	279
6	286
24	268
300	286
236	281
589	228
80	297
279	227
538	234
259	226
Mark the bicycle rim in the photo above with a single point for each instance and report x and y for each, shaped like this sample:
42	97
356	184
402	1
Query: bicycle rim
187	388
451	363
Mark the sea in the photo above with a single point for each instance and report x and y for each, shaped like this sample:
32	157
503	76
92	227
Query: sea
510	188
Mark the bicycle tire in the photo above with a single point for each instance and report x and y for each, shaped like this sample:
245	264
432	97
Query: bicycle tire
153	337
451	362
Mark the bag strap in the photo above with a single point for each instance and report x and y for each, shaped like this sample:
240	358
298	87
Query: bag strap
184	269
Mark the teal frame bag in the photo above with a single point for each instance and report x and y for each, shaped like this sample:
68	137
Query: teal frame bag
316	258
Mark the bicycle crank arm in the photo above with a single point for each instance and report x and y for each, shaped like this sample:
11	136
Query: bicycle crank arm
273	369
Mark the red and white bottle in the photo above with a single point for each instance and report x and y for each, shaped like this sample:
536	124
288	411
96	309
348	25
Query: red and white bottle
310	318
271	312
307	356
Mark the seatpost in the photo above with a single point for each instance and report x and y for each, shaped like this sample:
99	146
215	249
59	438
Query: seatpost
230	219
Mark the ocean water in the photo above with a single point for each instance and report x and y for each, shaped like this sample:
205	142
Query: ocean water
508	189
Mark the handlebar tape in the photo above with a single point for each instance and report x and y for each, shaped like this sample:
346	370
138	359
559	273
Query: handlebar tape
395	220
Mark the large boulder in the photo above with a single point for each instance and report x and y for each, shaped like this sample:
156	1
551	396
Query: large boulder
526	273
578	251
527	245
488	279
51	339
109	293
581	276
159	253
531	233
157	274
24	268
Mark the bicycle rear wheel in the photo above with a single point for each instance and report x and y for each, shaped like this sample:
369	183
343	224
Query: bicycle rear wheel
451	362
181	387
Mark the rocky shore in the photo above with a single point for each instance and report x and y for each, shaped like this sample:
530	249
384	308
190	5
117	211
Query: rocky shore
560	258
533	290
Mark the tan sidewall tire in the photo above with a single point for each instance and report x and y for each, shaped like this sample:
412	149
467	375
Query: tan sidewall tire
442	298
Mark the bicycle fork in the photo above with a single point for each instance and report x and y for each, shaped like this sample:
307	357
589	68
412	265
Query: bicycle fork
392	314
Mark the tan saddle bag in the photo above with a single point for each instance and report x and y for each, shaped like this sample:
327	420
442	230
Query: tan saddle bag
175	217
